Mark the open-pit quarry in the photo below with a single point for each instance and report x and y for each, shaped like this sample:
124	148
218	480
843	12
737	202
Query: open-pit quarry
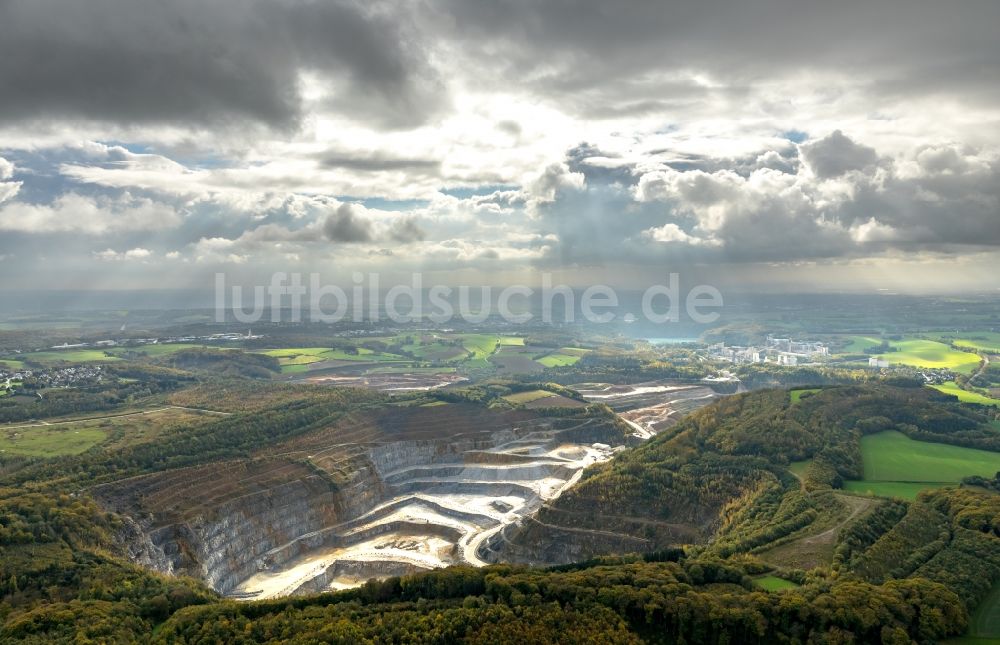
380	492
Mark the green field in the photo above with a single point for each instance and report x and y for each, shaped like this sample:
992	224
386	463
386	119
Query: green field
964	395
985	620
931	354
72	435
558	360
481	345
104	355
796	395
985	341
49	441
798	468
298	359
10	364
773	583
858	344
902	490
292	352
161	349
71	356
891	456
512	340
529	396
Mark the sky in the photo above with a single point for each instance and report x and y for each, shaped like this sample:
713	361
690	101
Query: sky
764	144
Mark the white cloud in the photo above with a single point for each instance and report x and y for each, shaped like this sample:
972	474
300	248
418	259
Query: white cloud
110	255
8	189
73	212
6	169
873	231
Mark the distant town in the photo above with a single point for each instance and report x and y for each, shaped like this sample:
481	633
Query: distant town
780	351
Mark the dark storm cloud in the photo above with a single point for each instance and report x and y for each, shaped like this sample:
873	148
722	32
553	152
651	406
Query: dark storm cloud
836	154
205	62
588	51
343	225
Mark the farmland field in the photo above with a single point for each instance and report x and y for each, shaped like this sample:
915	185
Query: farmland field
891	456
517	359
49	441
481	345
71	356
931	354
558	360
902	490
982	341
796	395
10	364
298	359
858	344
774	583
985	620
162	349
964	395
529	396
73	435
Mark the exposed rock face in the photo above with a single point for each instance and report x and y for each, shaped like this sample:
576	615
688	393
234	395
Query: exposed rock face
564	531
394	491
317	511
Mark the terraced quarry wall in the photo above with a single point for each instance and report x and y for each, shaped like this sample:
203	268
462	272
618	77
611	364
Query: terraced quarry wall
394	490
565	528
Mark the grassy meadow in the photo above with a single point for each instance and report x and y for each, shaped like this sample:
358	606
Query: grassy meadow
73	435
896	466
966	396
796	395
892	456
773	583
931	354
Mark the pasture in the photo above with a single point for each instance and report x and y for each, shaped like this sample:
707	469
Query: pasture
70	356
773	583
965	396
858	344
892	456
984	341
74	435
985	620
49	441
563	357
558	360
481	345
298	359
528	397
931	354
160	349
902	490
796	395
